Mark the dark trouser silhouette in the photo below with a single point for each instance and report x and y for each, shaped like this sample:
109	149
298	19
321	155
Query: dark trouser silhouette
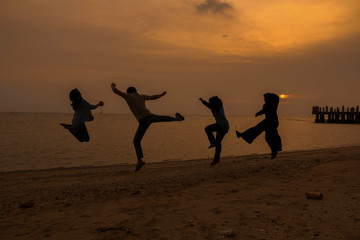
220	133
81	133
144	124
271	134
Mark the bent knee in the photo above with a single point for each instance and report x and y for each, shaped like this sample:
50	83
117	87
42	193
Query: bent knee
136	141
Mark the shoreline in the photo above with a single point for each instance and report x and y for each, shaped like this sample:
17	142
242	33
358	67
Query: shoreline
176	160
254	196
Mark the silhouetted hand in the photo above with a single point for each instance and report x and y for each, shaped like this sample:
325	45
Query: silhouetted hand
201	99
257	114
101	103
113	85
163	93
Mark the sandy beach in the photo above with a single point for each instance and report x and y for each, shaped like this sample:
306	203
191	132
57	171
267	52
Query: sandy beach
248	197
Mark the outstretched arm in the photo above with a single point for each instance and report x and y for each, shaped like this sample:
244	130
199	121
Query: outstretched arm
117	91
261	112
153	97
205	103
100	104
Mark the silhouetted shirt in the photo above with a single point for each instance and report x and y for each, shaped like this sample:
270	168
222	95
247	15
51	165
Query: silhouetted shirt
83	113
219	115
220	118
136	104
270	113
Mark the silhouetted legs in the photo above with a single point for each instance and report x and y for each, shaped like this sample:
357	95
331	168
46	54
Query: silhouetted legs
215	142
273	140
144	124
252	133
80	132
271	136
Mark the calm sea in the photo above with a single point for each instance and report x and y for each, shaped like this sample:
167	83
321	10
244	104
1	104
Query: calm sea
37	141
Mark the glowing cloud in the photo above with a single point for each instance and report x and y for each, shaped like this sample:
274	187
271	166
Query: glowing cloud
215	7
264	27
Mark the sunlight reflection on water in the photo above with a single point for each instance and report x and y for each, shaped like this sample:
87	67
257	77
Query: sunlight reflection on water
37	141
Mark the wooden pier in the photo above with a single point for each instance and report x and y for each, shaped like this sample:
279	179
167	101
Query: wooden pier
336	115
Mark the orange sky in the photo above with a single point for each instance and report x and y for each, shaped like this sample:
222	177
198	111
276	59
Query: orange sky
238	50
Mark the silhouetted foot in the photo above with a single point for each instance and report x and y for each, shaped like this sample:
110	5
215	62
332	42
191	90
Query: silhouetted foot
214	162
139	166
273	154
212	145
179	116
238	134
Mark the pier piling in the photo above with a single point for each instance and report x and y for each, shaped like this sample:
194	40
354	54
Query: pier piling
335	115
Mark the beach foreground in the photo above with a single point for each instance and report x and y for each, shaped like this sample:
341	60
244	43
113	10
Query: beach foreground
248	197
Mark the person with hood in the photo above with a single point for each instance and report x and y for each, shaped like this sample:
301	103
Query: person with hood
269	125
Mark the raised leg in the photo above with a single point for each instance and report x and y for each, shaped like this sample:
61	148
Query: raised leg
252	133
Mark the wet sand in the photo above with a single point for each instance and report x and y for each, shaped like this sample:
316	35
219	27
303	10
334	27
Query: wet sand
248	197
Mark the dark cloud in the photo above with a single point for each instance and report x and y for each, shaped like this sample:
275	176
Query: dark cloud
216	7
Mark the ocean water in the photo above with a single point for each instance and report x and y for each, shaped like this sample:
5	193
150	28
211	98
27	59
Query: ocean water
37	141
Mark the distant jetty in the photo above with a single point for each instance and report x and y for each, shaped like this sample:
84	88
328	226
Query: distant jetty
336	115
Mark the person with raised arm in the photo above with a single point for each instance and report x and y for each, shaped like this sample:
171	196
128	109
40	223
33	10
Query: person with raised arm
136	103
221	127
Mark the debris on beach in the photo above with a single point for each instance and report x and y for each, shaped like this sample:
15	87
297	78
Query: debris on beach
26	205
106	229
314	195
228	233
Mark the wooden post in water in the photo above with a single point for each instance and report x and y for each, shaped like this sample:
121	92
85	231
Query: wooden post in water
335	115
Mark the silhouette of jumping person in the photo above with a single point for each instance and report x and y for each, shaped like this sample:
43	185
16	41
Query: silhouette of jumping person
137	106
82	113
221	127
269	125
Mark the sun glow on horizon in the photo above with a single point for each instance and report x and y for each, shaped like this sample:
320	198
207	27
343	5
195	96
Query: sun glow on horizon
283	96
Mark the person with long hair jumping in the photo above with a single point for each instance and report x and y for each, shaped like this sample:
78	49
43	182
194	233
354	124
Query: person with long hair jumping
82	113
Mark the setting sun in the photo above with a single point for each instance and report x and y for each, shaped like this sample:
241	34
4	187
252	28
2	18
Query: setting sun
282	96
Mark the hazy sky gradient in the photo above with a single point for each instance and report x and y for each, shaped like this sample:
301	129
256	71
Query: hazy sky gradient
237	50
